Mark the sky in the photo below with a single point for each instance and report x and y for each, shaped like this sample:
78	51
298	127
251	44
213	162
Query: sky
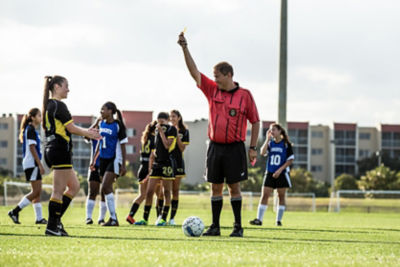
343	55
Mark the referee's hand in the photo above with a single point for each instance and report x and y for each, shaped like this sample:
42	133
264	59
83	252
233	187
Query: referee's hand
182	40
252	154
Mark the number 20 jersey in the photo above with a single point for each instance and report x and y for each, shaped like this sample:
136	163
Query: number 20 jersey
278	154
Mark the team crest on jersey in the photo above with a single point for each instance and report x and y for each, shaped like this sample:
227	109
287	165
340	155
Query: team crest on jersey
180	136
164	128
232	112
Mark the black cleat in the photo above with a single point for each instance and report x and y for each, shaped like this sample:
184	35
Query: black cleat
278	223
89	221
111	222
213	230
60	227
52	232
42	221
237	230
100	222
14	217
256	222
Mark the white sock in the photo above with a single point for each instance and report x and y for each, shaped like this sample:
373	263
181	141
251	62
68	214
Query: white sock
24	202
38	211
280	212
111	205
261	210
103	210
89	208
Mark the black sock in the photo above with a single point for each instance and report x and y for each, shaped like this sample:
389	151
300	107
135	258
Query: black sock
174	207
66	200
16	210
236	203
134	208
160	204
146	212
216	207
165	212
54	213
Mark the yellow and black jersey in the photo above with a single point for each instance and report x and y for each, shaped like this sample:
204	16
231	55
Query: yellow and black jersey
162	154
147	148
183	135
57	117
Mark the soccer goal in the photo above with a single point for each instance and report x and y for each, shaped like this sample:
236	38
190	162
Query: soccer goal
365	201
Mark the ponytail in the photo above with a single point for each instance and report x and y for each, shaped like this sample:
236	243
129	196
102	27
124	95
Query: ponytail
150	128
121	120
49	83
181	125
26	119
285	136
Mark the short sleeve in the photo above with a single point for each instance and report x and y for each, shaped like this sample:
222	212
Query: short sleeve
172	132
251	107
122	137
289	152
185	137
63	114
31	135
152	143
207	86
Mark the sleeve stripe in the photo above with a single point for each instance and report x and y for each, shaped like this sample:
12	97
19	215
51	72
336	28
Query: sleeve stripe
68	122
171	137
290	158
185	143
31	142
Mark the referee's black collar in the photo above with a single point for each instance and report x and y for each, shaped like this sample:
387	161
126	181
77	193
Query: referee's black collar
233	90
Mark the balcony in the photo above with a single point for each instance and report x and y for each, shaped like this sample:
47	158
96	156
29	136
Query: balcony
345	159
345	142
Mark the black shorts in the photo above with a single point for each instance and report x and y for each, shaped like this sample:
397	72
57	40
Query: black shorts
33	174
109	165
179	168
94	176
58	158
226	162
162	170
283	181
143	171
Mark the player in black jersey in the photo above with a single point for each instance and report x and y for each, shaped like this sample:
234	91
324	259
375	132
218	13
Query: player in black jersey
182	141
144	170
161	169
59	126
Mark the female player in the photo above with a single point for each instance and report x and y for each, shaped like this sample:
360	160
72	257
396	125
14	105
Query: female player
182	141
144	170
280	157
59	126
31	164
112	152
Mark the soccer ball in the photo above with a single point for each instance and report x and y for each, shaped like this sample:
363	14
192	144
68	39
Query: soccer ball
193	226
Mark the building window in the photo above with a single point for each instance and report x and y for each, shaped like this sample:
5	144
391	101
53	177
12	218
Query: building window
364	153
317	134
317	151
130	149
316	168
131	132
3	126
3	143
3	161
365	136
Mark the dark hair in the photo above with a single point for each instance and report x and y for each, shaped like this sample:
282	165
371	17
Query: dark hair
150	128
224	68
181	125
26	119
49	83
163	115
113	107
283	132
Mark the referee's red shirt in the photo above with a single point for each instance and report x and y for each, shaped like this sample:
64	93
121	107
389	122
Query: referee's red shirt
229	112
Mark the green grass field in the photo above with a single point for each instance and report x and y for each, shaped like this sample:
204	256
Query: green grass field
326	239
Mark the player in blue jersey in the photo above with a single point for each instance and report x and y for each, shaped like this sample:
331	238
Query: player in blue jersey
280	156
112	153
31	164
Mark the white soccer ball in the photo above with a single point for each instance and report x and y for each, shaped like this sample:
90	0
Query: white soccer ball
193	226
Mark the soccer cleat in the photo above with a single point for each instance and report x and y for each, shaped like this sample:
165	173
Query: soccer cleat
237	231
52	232
100	222
42	221
61	229
213	230
111	222
162	222
159	218
14	217
278	223
255	222
130	219
89	221
171	222
141	222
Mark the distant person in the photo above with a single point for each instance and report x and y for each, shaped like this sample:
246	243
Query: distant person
112	153
230	106
31	164
59	126
280	156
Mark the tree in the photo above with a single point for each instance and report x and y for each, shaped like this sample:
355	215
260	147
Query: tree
380	178
346	181
303	182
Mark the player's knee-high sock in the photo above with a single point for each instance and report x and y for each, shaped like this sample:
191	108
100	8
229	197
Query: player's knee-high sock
111	205
66	200
22	204
103	210
216	207
174	207
38	210
146	212
236	203
159	206
54	212
165	212
279	214
261	210
134	208
89	208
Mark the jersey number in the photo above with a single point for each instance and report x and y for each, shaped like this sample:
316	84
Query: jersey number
167	171
147	148
275	160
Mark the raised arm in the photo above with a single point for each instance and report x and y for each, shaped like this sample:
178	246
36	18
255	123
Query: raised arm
194	72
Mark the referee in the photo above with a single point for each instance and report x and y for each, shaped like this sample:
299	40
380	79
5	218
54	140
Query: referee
230	106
